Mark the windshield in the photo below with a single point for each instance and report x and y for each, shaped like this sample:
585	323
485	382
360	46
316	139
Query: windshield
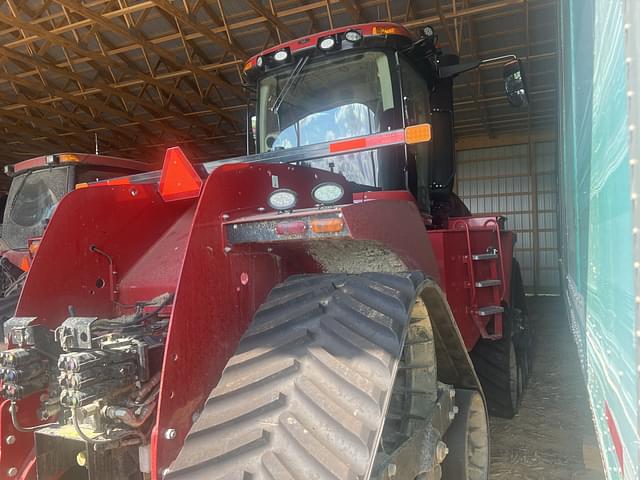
32	199
329	99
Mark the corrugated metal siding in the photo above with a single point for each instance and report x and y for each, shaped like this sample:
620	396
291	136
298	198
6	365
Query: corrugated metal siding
501	180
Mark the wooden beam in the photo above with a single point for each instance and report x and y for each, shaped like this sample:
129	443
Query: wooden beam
98	86
20	135
477	10
107	61
86	103
445	24
476	92
272	19
41	123
193	23
137	37
352	9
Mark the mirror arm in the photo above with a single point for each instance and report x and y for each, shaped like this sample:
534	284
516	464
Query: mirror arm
451	71
454	70
501	58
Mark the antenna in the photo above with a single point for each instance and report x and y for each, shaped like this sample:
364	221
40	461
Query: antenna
96	141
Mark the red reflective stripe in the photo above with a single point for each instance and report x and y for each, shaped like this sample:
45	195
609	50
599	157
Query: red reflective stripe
373	141
615	436
346	145
119	181
102	183
386	138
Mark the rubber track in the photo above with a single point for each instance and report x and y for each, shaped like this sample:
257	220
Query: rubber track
305	395
491	360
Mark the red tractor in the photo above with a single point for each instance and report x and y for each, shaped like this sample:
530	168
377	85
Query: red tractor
311	311
37	186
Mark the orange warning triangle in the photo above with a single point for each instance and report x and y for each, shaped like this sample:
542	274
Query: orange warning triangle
179	180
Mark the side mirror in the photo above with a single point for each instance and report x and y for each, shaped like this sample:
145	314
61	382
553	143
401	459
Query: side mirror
514	84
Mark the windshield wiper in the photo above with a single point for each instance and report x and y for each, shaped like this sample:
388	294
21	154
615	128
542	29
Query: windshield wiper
19	190
288	84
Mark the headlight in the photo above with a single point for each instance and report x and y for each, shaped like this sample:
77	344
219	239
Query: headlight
327	43
259	62
280	56
353	36
282	199
327	193
428	31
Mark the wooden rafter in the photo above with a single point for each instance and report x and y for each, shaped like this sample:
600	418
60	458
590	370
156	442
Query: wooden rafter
353	9
272	19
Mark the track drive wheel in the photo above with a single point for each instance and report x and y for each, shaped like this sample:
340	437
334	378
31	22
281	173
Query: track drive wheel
322	385
504	366
525	334
496	364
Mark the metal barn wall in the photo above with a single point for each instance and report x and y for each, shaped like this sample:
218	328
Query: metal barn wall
502	180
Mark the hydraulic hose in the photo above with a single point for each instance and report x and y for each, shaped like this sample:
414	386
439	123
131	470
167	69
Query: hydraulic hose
13	409
126	415
104	441
144	391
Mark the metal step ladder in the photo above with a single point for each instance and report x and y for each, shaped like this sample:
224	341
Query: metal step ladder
480	309
493	283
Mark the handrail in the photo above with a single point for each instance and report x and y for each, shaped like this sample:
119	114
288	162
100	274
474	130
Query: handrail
456	225
502	272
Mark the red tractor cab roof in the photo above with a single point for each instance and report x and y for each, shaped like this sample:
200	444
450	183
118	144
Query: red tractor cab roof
364	33
78	158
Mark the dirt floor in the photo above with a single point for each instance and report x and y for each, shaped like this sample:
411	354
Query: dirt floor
552	437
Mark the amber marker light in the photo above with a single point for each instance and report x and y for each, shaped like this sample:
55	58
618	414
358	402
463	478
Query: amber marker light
388	30
327	225
417	133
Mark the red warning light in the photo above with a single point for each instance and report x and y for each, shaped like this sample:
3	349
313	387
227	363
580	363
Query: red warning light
179	180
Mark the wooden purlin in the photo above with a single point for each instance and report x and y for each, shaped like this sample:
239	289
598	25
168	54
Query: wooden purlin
353	8
77	99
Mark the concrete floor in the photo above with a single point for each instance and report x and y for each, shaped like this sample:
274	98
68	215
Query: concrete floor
552	438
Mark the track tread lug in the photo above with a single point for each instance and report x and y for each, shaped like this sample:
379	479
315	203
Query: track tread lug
275	467
207	454
224	417
315	449
269	371
336	412
346	334
282	341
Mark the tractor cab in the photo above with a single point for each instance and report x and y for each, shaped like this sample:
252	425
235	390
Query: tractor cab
37	185
363	80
